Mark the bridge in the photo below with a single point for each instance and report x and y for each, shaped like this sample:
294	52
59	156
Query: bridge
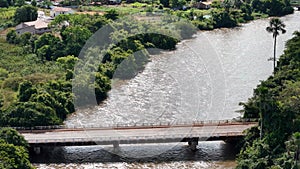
225	130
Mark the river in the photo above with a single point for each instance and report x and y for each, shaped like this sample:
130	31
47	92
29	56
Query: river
204	79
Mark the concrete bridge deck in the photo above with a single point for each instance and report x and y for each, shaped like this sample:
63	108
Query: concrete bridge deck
135	134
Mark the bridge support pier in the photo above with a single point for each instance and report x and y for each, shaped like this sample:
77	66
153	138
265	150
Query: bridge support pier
37	150
116	145
233	140
193	142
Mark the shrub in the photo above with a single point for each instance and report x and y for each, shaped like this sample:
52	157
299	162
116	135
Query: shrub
3	73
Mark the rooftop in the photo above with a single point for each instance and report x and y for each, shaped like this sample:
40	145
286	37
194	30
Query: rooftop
61	9
38	24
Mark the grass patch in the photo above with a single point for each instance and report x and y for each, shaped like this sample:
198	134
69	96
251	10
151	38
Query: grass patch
17	66
8	96
259	15
15	60
123	9
7	17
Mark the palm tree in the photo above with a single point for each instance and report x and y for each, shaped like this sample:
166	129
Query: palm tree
276	25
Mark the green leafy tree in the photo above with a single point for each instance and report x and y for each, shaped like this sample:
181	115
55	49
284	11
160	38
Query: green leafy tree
4	3
222	18
46	4
165	3
50	101
32	40
276	26
227	4
247	11
254	156
12	37
25	13
293	149
3	74
25	38
11	136
49	47
107	69
74	38
290	97
258	6
33	3
237	3
275	99
102	86
13	157
296	139
19	3
46	39
10	2
111	14
45	53
216	4
25	91
275	7
272	7
28	114
13	152
68	62
178	4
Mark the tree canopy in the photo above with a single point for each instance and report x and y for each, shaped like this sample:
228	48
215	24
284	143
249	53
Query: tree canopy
13	152
276	26
276	103
26	13
8	3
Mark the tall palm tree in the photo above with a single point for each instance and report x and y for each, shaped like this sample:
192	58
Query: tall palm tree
276	26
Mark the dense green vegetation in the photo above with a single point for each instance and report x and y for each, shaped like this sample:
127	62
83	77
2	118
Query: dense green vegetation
14	12
12	16
13	150
6	17
48	78
36	71
8	3
275	143
222	14
25	13
226	13
232	13
42	95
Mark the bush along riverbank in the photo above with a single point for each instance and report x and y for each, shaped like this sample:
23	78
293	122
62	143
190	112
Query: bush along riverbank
275	142
13	150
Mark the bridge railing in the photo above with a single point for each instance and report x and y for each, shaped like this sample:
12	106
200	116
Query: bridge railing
143	125
112	139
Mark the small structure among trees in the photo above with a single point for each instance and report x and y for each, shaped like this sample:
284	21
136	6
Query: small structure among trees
202	4
34	27
60	10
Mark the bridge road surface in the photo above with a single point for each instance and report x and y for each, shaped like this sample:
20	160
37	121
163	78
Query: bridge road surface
132	135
